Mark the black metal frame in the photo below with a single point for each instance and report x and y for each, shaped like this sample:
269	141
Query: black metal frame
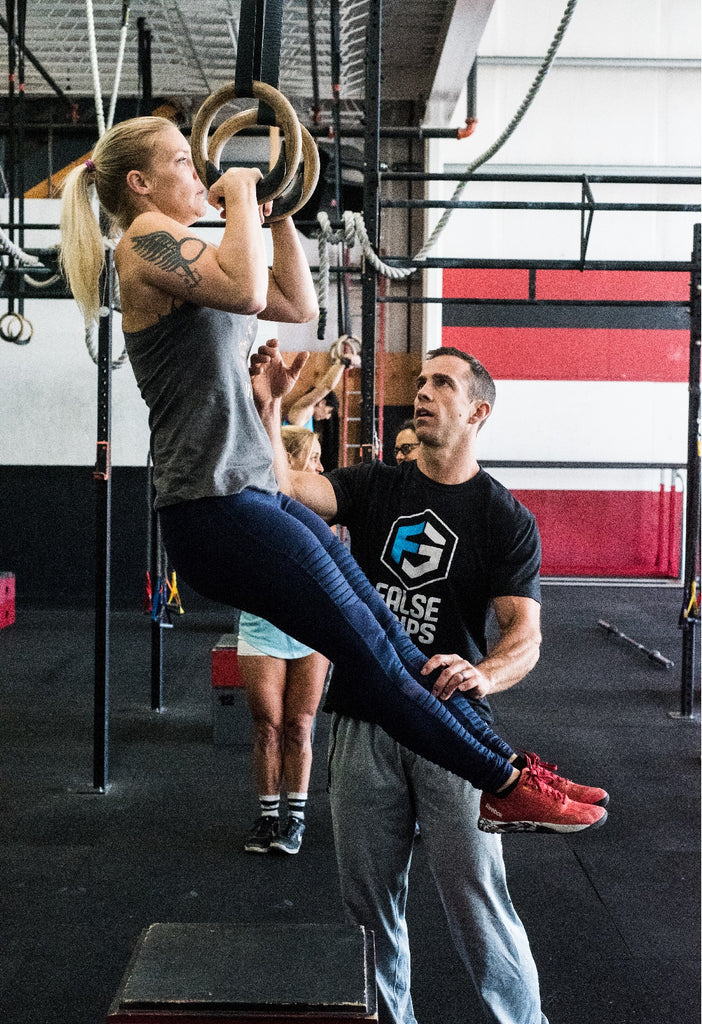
12	287
587	207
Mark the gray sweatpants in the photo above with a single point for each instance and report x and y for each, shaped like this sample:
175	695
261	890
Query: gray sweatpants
378	790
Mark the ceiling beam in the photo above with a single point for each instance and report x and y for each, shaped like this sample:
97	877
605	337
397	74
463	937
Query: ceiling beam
463	30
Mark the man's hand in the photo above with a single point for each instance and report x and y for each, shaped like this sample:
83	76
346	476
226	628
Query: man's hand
270	377
458	674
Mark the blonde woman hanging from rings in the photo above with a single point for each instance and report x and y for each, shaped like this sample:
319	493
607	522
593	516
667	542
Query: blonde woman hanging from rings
189	314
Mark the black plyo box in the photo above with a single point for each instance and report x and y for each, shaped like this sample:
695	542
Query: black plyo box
249	972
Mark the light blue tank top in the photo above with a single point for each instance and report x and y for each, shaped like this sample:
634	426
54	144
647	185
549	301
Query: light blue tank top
206	436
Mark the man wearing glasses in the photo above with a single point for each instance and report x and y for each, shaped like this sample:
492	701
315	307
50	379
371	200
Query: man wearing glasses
406	443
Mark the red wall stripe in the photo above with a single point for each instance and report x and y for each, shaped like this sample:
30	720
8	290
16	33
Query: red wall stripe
608	533
593	285
485	284
639	285
512	353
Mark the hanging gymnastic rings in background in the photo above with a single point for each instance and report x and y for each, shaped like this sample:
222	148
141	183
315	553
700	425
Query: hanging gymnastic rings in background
280	176
346	350
304	180
16	328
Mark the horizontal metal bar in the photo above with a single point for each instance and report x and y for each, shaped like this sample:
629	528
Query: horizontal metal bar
320	132
490	204
634	63
16	225
450	263
535	303
603	179
515	464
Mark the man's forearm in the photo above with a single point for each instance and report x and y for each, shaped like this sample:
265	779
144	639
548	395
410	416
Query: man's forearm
511	659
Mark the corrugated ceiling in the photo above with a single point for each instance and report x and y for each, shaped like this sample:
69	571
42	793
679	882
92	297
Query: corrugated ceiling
193	48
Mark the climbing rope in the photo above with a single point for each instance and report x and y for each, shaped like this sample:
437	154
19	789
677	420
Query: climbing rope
92	45
25	259
509	130
120	60
354	229
91	331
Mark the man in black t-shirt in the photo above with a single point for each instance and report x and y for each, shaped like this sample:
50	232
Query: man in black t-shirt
445	545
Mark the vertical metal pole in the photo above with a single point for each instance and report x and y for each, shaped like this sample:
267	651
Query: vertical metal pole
689	619
12	161
343	317
155	569
146	104
21	139
103	503
370	216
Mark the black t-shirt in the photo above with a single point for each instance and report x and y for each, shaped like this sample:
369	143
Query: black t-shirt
438	554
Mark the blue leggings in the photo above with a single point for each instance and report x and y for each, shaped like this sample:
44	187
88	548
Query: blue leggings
269	555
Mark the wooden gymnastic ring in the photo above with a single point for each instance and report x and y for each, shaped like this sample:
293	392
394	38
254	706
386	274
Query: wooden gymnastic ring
24	337
234	124
286	119
346	341
4	327
303	184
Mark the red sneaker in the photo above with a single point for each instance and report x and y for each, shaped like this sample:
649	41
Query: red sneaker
534	806
582	794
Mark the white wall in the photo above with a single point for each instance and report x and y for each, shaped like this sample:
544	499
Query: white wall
595	116
48	388
623	97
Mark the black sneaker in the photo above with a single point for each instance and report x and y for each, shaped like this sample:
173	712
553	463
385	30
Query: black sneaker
289	838
260	835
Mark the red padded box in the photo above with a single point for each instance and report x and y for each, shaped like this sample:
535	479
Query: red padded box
225	666
7	599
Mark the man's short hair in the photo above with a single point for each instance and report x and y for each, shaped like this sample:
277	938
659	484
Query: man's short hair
482	384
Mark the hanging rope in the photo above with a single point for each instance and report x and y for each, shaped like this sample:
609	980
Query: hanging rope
91	328
25	259
509	130
91	331
120	59
92	44
354	229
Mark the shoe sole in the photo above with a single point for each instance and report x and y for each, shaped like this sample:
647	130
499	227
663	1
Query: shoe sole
279	848
256	849
489	825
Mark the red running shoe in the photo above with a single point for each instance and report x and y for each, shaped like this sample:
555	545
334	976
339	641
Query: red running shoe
582	794
534	806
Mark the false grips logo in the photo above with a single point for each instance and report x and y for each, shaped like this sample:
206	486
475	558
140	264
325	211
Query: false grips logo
419	549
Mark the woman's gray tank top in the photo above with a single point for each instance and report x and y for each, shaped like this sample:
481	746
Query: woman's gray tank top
206	436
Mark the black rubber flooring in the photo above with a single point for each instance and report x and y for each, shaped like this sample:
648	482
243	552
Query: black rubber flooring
613	915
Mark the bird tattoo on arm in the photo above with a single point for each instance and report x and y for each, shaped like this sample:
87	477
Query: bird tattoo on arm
166	252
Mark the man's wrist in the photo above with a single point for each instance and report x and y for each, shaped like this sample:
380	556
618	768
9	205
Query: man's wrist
269	409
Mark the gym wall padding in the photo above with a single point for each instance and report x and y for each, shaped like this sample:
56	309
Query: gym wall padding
628	357
48	535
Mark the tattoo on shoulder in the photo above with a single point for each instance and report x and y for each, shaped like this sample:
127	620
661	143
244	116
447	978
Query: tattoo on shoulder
166	252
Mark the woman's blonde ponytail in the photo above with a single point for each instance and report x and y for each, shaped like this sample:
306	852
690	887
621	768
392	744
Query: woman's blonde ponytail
82	250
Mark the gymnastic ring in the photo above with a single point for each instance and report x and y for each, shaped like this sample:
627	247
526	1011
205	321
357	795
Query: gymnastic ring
303	184
5	332
234	124
25	339
345	341
273	183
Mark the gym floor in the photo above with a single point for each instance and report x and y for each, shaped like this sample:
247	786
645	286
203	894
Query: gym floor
612	915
